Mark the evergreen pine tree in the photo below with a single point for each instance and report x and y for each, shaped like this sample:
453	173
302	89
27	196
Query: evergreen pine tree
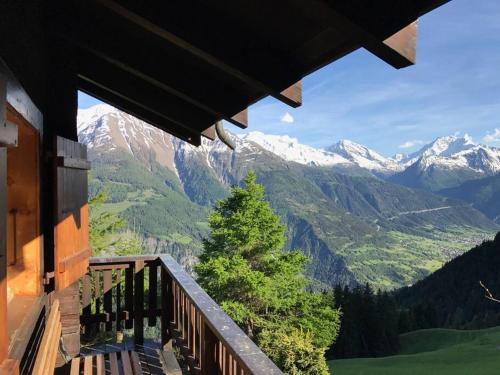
262	287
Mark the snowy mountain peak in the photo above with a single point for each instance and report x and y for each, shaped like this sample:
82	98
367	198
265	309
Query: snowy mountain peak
443	146
364	157
290	149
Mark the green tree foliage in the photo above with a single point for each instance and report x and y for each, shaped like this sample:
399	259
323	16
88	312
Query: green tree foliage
262	287
106	230
369	323
451	297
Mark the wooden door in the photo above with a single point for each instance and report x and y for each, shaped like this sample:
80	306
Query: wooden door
71	234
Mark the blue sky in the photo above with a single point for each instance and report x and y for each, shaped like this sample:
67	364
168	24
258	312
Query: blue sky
453	89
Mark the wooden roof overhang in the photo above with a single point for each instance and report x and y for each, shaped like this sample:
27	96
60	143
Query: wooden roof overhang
183	65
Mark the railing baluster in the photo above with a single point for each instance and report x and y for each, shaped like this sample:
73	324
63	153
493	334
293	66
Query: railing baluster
97	292
208	350
153	294
129	296
118	300
108	298
139	302
209	340
86	300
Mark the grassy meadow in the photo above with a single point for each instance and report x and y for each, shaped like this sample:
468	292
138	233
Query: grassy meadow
433	352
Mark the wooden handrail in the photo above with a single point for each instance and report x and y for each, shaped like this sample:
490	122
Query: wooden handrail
247	355
210	340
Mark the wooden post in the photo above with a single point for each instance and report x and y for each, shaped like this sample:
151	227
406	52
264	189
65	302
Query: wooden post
153	293
118	300
108	298
166	306
139	302
208	343
4	340
129	296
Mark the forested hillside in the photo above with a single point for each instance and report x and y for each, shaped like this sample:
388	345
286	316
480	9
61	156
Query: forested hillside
356	227
452	294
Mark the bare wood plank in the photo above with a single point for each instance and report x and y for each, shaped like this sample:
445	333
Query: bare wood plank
113	363
108	298
75	366
51	361
209	133
139	302
100	369
404	42
153	294
111	261
73	259
87	365
129	295
294	93
46	346
136	364
103	267
127	366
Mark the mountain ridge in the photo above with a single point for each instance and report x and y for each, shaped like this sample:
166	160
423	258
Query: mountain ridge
341	215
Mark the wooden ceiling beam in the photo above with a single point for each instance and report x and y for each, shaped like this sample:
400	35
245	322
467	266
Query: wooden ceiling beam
397	49
137	110
161	66
169	106
291	96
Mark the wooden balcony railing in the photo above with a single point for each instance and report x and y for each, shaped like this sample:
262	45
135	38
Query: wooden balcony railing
114	297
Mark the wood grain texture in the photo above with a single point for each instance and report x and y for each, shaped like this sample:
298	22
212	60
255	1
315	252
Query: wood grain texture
47	353
71	231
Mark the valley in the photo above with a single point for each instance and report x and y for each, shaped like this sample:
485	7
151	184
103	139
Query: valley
340	207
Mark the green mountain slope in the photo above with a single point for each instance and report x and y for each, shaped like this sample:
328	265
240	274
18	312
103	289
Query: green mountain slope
356	227
454	293
483	194
433	352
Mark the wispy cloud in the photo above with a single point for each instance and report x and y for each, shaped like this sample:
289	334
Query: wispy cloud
492	137
410	144
287	118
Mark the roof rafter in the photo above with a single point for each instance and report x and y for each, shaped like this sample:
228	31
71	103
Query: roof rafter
288	96
160	67
178	111
137	110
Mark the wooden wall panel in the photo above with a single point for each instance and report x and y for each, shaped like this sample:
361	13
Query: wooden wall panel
72	249
3	217
24	240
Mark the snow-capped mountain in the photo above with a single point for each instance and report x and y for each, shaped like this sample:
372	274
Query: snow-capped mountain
453	152
364	157
290	149
105	127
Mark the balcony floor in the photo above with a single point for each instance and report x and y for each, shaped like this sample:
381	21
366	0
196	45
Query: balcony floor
154	360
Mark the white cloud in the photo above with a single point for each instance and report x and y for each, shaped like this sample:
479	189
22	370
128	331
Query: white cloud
287	118
492	137
409	144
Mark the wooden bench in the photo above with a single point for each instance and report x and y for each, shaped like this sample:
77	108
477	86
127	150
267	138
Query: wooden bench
47	353
116	363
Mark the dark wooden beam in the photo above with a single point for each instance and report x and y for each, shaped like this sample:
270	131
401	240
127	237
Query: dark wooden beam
137	110
169	106
287	96
151	59
209	133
